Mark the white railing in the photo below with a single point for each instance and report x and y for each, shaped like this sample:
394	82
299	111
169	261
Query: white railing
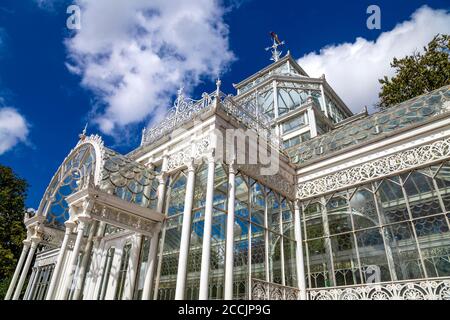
438	289
185	109
263	290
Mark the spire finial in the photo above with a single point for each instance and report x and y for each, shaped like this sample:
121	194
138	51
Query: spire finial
218	83
276	43
82	135
180	91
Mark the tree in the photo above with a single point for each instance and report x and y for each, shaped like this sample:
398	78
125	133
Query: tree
418	73
12	231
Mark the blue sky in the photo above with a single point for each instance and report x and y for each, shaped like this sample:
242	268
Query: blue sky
121	70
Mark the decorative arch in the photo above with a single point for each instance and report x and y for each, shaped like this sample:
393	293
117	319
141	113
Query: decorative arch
83	165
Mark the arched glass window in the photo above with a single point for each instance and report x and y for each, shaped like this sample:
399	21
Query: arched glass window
66	181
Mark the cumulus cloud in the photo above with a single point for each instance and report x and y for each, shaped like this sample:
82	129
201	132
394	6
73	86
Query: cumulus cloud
13	128
353	69
134	54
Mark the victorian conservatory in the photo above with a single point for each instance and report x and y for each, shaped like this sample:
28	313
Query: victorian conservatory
358	206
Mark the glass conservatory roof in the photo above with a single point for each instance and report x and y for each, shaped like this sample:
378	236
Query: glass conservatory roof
405	114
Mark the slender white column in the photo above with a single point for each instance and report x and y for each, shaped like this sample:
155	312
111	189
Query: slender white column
151	267
95	268
59	262
31	283
153	248
229	253
34	243
185	233
299	252
23	255
84	262
73	259
206	249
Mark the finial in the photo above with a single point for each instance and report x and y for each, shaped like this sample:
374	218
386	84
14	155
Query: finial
276	42
218	83
180	91
82	135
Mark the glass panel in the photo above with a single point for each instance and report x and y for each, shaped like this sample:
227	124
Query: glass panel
404	251
122	272
266	103
295	123
258	252
275	265
364	210
319	275
142	268
240	260
290	99
290	264
106	273
217	258
345	260
372	255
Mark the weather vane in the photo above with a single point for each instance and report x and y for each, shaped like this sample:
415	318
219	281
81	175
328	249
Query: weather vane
276	43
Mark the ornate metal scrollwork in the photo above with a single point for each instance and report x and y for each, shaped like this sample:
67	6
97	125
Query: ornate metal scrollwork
438	150
262	290
412	290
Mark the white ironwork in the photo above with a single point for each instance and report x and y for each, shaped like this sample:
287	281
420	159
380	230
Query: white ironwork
252	119
411	290
183	111
426	154
263	290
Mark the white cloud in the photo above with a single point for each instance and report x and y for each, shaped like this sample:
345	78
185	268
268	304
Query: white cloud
134	54
13	128
353	69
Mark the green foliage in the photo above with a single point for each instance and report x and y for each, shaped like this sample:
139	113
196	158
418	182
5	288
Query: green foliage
12	231
418	73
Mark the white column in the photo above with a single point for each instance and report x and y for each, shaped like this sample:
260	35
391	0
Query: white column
325	110
59	262
73	259
206	249
312	122
133	266
148	282
299	252
34	243
23	255
153	248
95	269
84	262
229	253
31	283
185	233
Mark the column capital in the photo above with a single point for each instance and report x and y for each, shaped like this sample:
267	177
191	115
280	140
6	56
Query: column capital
232	167
70	225
210	156
190	165
162	178
35	240
26	242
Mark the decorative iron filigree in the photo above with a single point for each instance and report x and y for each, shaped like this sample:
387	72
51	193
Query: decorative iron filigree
183	111
438	150
262	290
414	290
